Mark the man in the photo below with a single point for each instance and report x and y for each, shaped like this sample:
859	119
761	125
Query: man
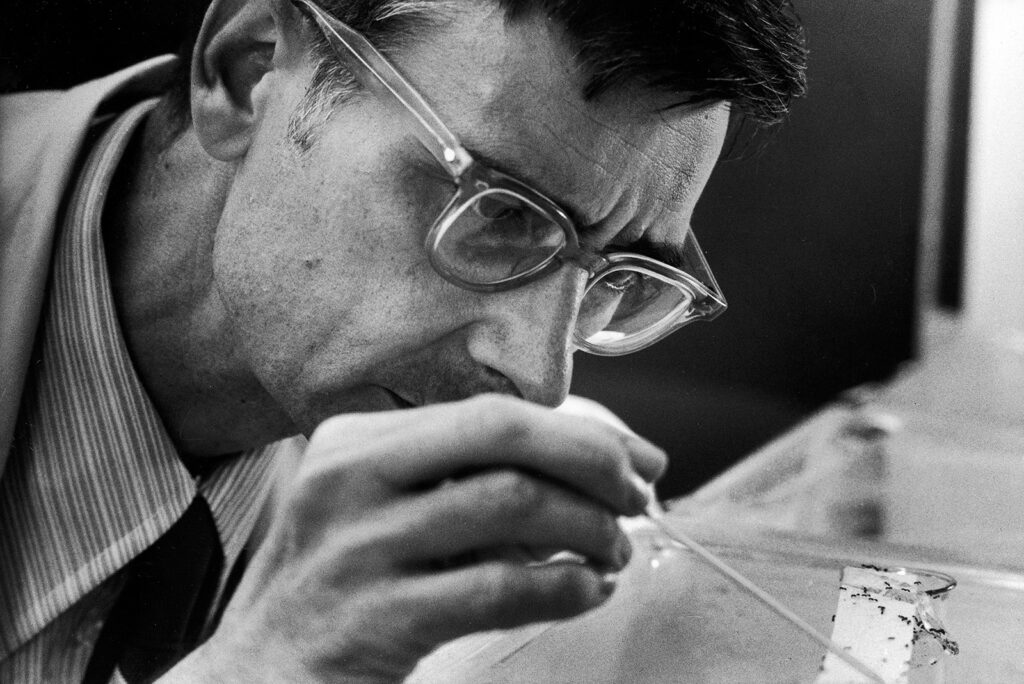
396	262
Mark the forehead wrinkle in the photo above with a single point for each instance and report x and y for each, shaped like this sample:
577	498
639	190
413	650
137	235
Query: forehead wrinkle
619	160
658	168
657	222
623	194
638	130
654	128
605	169
608	194
526	146
620	211
520	162
660	185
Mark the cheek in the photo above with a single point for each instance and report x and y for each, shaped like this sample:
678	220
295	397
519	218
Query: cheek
319	275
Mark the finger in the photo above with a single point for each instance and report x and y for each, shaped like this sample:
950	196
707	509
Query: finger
440	441
503	508
500	595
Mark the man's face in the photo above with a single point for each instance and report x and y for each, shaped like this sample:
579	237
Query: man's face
319	255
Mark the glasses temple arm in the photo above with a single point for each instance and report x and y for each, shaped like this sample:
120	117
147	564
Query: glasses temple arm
368	62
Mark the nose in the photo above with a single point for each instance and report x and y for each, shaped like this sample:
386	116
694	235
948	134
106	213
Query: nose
526	335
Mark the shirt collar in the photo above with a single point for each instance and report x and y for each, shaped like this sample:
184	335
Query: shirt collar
94	477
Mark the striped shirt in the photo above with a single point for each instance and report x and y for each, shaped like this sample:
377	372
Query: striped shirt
93	478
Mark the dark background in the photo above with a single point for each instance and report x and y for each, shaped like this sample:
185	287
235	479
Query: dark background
59	43
810	227
811	230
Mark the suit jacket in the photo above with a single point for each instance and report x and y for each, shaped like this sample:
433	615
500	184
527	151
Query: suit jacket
41	140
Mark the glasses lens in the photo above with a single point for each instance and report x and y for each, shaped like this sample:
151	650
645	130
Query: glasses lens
625	303
495	236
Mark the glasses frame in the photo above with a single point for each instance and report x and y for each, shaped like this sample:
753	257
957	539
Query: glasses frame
473	179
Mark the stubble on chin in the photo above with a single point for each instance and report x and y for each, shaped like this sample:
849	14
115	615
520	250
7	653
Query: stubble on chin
432	376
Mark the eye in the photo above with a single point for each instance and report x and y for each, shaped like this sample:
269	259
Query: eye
620	281
632	291
497	208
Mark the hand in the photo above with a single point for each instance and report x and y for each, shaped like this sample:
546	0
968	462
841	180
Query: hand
390	539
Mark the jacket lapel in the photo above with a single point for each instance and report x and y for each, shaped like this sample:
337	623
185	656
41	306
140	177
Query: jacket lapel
42	136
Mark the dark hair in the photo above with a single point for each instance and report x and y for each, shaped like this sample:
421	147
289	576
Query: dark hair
749	52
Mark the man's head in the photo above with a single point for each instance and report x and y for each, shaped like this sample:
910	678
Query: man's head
319	260
750	54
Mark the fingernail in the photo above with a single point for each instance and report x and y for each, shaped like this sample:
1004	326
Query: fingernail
623	551
649	459
641	496
609	580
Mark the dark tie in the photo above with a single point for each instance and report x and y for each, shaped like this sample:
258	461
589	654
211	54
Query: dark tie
159	615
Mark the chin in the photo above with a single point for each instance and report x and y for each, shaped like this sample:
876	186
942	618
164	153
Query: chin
327	404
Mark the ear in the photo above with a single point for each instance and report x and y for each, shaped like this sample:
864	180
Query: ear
240	43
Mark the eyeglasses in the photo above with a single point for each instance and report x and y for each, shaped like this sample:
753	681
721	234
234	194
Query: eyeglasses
497	233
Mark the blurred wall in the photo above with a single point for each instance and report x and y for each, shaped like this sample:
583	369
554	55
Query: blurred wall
811	231
994	276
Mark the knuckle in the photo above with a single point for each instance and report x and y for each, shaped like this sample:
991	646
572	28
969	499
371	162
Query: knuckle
608	533
505	581
608	466
306	487
501	585
333	439
509	595
493	402
326	477
330	489
507	418
305	504
329	428
571	591
515	494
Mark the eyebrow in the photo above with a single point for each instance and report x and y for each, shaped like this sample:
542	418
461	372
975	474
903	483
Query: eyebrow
571	211
670	253
667	252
